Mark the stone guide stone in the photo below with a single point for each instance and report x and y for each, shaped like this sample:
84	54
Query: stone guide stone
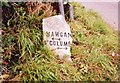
57	36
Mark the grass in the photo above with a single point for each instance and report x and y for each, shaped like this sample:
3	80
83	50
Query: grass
94	43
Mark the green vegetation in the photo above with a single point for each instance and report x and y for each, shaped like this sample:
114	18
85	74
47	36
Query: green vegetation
94	43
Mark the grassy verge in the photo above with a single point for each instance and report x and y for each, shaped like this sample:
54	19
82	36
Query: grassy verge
94	49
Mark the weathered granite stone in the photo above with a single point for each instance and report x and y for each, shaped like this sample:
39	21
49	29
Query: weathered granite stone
57	36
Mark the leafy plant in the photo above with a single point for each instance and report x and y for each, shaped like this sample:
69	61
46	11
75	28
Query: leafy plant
25	54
